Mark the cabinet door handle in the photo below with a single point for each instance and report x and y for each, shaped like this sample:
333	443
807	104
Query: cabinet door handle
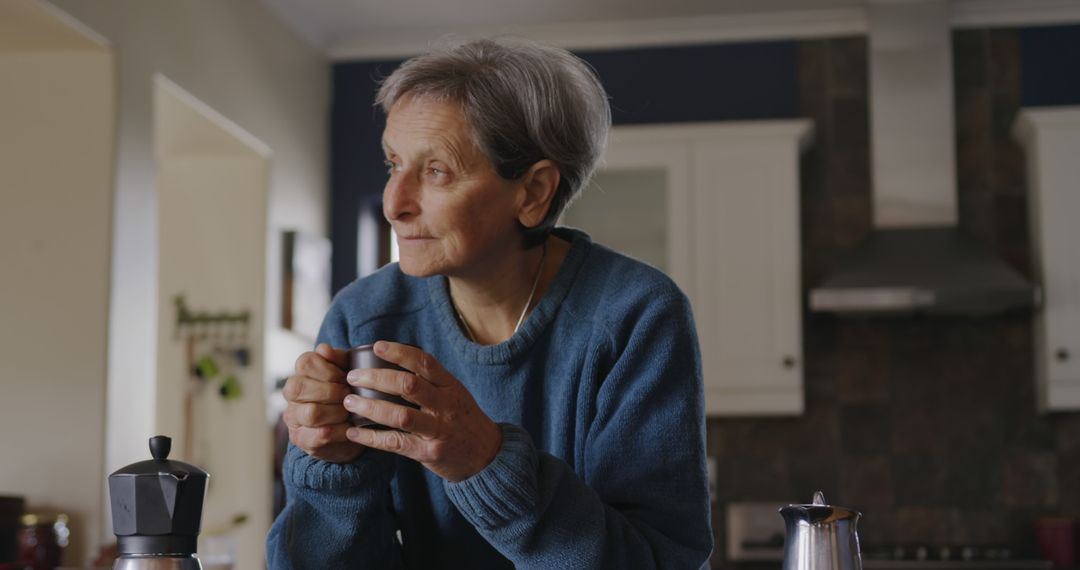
788	362
1061	354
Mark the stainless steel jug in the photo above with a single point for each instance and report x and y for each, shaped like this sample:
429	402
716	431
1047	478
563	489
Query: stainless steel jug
821	537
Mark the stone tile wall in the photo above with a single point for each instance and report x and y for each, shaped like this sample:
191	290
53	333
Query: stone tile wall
928	426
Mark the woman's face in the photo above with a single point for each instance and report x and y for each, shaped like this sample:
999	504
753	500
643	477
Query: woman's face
452	213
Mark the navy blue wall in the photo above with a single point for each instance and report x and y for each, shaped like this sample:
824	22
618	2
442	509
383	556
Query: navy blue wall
700	83
356	160
1050	66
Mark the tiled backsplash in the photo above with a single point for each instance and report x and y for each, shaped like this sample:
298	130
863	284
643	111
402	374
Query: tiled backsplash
926	425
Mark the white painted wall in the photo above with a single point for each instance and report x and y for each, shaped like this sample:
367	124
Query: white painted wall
56	157
241	60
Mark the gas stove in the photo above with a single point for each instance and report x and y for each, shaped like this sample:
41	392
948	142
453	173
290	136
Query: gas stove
956	565
755	539
900	557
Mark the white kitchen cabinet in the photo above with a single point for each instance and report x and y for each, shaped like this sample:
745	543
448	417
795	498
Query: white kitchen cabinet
1051	137
730	200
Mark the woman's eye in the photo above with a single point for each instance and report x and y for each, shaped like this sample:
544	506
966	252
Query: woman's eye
390	166
437	174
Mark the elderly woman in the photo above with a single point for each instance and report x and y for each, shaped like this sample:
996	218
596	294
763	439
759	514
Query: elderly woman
559	419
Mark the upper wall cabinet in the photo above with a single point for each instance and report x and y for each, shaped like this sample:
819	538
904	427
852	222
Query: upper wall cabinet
1051	137
716	206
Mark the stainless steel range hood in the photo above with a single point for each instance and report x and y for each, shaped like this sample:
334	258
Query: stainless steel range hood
917	260
930	270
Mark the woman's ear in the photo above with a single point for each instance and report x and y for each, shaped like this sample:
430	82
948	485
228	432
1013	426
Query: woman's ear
539	184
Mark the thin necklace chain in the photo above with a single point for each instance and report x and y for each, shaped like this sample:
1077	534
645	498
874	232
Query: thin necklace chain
524	310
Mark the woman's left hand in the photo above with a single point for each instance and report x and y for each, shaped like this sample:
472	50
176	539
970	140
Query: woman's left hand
449	434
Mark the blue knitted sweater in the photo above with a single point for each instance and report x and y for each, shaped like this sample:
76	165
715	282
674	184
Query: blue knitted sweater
599	397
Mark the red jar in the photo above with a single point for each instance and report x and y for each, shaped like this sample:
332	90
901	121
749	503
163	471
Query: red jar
1056	538
42	538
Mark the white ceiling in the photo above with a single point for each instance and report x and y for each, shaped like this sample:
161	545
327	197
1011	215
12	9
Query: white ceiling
331	24
365	29
330	21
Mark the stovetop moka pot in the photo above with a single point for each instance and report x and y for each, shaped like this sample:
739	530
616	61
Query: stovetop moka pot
156	511
821	537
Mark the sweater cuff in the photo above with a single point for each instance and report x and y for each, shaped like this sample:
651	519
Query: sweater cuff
303	470
505	489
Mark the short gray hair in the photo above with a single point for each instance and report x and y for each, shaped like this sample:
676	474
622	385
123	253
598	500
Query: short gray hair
524	102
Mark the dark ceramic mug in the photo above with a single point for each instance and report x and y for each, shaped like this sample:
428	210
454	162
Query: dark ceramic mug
364	357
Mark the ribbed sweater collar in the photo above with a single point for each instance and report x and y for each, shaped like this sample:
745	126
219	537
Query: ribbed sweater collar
535	323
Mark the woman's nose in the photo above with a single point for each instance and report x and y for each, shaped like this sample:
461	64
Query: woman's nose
399	198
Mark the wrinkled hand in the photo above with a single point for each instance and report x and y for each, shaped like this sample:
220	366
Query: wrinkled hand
449	434
316	420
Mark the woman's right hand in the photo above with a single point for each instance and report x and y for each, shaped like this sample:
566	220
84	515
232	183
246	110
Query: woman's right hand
315	416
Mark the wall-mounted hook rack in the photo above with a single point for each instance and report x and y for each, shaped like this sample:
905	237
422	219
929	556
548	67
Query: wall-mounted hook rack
185	317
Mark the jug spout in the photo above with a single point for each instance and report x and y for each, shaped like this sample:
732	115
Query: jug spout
821	537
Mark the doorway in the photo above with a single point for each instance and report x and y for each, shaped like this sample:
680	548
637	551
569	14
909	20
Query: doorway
209	395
